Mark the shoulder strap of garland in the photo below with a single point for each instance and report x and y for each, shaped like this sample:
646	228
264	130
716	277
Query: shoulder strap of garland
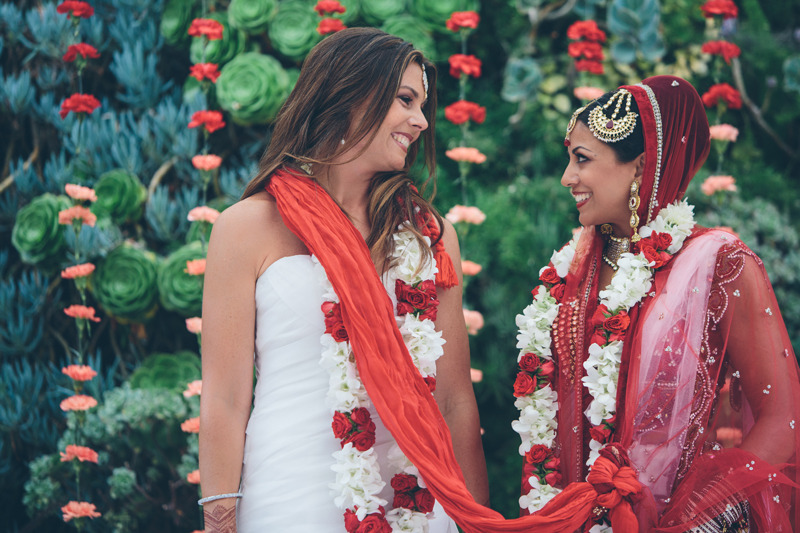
399	393
446	273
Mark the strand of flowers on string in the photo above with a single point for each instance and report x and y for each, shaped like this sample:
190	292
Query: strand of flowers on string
358	477
721	96
329	23
75	217
534	389
587	51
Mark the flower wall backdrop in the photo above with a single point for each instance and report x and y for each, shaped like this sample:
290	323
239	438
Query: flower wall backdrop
130	125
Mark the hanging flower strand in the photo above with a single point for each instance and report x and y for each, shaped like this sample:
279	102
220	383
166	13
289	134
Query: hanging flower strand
329	24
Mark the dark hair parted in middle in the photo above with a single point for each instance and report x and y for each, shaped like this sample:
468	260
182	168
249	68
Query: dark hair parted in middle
630	147
346	86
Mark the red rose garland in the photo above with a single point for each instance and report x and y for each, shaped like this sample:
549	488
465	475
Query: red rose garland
416	308
533	387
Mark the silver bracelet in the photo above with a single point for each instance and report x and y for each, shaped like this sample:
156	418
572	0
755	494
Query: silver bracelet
207	499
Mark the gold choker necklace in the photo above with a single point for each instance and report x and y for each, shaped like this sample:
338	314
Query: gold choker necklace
615	246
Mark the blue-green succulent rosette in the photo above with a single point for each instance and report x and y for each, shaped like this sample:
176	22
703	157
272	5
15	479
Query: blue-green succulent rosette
37	235
436	12
219	51
252	88
120	196
408	28
378	11
167	371
176	19
124	284
352	10
179	291
251	16
293	30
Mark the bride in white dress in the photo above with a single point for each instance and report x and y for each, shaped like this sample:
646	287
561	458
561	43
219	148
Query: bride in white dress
298	454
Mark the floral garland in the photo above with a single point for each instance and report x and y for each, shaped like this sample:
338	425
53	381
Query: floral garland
358	477
537	399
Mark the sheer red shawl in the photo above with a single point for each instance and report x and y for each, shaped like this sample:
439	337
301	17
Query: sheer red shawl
400	395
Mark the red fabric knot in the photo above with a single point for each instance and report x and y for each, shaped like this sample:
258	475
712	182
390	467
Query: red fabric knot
615	482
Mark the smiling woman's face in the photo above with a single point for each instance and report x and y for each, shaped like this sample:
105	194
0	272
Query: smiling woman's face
401	126
599	182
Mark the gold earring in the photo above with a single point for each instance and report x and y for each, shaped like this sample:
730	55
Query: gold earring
633	205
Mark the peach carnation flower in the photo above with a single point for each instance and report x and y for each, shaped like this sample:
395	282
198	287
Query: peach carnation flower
195	267
79	372
81	311
206	162
476	375
77	271
79	510
191	425
469	268
462	153
203	214
81	453
193	389
78	402
193	477
718	183
724	132
194	324
79	192
463	213
588	93
77	212
473	320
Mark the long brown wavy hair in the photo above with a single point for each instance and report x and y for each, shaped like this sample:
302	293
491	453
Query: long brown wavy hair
353	76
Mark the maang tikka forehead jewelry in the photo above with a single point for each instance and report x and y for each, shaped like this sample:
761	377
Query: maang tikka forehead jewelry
572	121
612	128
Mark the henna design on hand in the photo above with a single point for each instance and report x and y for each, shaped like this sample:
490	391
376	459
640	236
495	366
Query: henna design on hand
221	519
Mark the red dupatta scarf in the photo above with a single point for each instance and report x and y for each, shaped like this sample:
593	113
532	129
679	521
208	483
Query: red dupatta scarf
402	397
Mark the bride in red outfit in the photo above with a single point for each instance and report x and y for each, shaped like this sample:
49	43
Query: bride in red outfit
645	327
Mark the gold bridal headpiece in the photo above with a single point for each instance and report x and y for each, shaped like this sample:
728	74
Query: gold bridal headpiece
613	128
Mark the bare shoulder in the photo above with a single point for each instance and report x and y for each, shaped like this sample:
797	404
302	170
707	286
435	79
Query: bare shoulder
252	232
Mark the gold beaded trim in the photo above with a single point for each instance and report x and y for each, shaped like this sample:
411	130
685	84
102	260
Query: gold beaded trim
611	129
572	121
659	150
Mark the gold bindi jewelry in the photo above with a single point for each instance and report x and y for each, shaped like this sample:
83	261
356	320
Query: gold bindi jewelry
613	128
633	205
615	246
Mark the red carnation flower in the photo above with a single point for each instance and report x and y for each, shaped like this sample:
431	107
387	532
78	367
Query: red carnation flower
330	25
79	103
590	66
586	29
463	20
722	48
202	71
586	49
74	8
724	92
461	111
82	49
468	65
329	6
212	120
206	28
726	8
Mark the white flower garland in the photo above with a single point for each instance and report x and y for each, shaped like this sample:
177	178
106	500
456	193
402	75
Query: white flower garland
358	477
630	284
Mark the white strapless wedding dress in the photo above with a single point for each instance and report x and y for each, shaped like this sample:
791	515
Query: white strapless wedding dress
289	443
